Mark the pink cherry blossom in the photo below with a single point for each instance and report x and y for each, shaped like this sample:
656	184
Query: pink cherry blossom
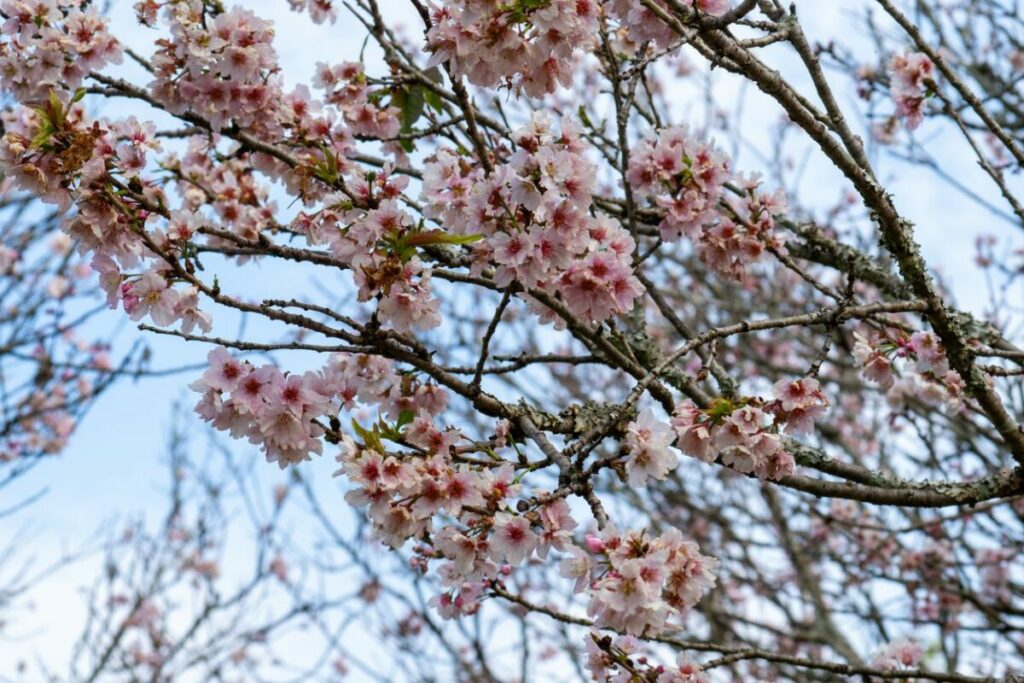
512	540
531	48
908	73
899	654
685	176
648	443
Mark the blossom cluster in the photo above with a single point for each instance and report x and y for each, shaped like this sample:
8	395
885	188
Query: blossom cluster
686	176
643	25
404	491
222	67
237	200
526	43
46	43
217	67
43	149
534	214
912	366
648	449
281	412
611	660
274	410
637	583
55	153
346	87
745	433
227	59
151	294
899	654
908	74
380	246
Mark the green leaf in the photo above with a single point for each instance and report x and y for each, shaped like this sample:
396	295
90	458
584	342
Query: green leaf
428	237
404	418
405	246
519	12
43	135
582	113
358	428
719	408
56	108
51	119
412	107
434	101
370	438
327	170
461	239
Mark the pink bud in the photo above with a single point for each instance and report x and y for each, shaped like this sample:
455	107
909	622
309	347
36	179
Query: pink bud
594	544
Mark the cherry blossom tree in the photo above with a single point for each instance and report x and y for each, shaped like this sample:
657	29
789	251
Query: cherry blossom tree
587	374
